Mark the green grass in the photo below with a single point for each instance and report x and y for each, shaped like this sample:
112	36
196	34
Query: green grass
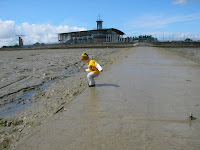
3	123
15	130
3	132
30	123
63	103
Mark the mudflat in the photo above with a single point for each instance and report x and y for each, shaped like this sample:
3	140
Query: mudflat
35	84
142	101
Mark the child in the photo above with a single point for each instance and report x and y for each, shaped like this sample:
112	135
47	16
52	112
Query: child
93	70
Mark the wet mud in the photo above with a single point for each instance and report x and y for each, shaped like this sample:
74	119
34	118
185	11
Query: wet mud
25	73
143	101
35	84
187	52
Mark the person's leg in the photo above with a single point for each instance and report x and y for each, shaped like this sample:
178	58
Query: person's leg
91	77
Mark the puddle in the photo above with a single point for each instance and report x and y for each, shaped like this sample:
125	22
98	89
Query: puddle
19	103
25	100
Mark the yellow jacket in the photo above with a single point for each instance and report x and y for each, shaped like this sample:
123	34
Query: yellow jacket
94	67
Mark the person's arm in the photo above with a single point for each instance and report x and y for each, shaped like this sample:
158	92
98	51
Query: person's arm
99	67
86	70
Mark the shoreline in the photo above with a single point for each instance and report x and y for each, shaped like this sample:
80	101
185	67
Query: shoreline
70	46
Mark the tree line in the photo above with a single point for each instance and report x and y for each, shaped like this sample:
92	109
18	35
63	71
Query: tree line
142	38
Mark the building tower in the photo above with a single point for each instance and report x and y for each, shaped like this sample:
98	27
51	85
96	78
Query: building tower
20	40
99	23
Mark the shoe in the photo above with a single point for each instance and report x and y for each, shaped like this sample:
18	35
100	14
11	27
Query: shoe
91	85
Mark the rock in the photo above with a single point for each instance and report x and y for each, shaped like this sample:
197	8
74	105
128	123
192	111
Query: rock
191	116
9	124
188	80
65	109
20	130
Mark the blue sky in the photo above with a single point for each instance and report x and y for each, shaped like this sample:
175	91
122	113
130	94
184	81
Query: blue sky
41	20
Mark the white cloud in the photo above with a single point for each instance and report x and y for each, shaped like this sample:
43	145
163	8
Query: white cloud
181	2
150	22
177	36
159	21
7	32
42	33
170	36
7	28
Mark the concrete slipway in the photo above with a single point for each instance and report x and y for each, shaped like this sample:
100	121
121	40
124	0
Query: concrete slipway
142	102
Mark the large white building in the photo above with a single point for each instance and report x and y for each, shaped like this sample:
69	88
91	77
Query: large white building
100	35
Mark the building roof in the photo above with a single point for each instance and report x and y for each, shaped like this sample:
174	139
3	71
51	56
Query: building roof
112	29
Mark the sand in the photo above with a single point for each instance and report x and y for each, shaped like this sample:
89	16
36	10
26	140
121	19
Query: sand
36	84
142	101
190	53
39	87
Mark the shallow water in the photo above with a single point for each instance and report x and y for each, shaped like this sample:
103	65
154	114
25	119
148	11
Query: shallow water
21	102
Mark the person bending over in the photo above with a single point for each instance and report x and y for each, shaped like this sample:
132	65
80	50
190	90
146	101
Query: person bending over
94	69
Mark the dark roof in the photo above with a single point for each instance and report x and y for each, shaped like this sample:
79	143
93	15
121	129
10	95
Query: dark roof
113	29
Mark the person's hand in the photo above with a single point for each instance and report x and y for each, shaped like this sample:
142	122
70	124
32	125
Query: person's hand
84	70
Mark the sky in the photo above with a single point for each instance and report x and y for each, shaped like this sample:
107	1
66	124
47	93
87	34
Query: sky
42	20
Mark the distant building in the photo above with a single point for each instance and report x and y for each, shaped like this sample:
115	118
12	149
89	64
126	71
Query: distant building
20	42
100	35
